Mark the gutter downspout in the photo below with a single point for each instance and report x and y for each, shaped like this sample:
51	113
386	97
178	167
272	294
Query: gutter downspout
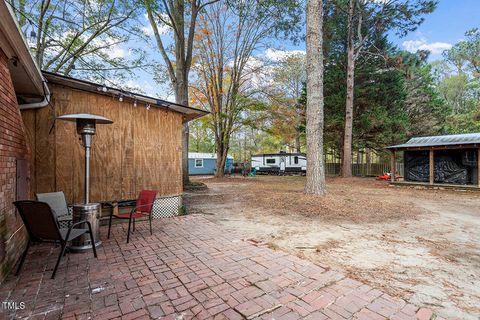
36	105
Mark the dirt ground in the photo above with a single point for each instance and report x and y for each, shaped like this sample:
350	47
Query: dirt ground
420	245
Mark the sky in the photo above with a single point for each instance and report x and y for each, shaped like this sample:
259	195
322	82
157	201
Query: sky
441	29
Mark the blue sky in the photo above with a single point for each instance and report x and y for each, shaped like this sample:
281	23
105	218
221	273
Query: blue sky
441	29
445	26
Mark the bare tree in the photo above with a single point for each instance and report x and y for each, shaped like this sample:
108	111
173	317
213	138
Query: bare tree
285	92
181	16
315	183
229	34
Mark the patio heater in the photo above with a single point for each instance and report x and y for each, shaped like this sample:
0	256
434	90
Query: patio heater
86	128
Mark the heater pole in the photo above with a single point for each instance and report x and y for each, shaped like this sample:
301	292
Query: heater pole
86	128
87	175
87	142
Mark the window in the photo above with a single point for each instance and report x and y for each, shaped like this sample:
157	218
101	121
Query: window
295	160
270	161
198	163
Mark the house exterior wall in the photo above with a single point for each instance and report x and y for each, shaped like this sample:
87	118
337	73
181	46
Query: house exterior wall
141	150
13	147
209	166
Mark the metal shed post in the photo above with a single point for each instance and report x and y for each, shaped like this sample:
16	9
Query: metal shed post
392	166
431	166
478	167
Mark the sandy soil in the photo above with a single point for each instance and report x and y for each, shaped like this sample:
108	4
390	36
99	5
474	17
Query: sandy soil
420	245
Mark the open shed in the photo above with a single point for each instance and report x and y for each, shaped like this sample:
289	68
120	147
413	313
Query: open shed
449	160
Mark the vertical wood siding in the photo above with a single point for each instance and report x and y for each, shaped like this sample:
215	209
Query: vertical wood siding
140	150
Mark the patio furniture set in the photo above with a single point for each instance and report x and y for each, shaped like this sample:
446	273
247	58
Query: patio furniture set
48	219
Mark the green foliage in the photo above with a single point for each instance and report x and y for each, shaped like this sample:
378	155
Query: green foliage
465	55
397	94
423	105
77	37
201	136
458	83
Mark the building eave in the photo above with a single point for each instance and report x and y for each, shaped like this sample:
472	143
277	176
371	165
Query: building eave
189	113
456	141
26	75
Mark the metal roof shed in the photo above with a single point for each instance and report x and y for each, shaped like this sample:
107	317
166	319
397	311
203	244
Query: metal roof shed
447	160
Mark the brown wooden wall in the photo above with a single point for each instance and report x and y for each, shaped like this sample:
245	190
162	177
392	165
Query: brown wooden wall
140	150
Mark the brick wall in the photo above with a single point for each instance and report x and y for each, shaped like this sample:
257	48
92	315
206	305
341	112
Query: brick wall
12	147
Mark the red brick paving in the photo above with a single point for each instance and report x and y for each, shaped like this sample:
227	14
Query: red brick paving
191	267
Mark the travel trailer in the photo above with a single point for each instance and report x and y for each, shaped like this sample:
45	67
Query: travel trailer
279	163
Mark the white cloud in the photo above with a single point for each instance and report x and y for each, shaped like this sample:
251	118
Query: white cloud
277	55
435	48
116	52
147	30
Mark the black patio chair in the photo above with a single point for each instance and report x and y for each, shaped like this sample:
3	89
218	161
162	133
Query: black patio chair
59	206
42	226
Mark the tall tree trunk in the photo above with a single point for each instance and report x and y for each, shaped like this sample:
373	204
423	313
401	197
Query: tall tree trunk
347	138
181	97
368	159
315	183
298	146
181	79
221	160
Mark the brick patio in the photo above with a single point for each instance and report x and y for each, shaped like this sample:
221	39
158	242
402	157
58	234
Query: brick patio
190	268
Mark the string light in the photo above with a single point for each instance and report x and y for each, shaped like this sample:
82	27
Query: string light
135	103
148	106
120	98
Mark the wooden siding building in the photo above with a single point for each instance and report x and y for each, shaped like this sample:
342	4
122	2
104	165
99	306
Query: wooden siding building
142	149
450	160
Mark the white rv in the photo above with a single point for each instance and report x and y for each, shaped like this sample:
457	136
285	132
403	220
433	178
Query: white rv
280	163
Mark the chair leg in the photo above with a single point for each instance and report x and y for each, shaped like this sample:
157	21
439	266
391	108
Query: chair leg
150	218
64	247
128	232
109	225
133	225
24	255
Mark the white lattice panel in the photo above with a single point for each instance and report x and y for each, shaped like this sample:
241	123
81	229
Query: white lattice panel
165	207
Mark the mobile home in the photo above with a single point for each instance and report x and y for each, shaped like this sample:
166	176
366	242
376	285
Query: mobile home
279	163
205	163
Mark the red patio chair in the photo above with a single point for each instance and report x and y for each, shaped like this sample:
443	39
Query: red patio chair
143	208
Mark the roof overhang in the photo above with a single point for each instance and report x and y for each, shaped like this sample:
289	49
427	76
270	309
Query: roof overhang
83	85
436	147
205	156
27	78
283	154
454	141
